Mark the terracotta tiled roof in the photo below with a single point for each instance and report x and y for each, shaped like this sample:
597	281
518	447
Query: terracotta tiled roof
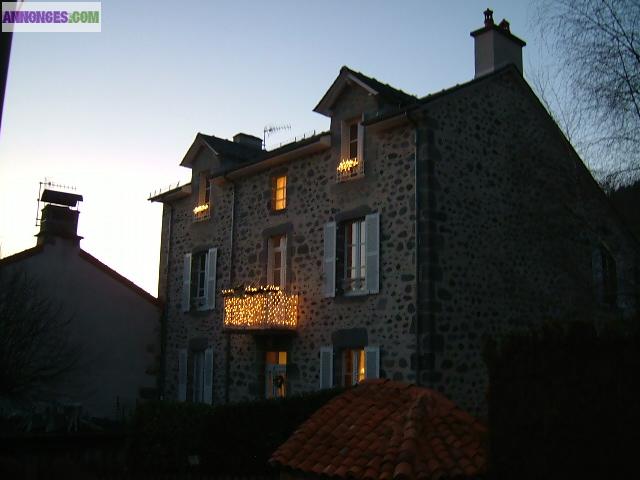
383	430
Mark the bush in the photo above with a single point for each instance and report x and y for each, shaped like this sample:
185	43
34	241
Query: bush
227	439
563	403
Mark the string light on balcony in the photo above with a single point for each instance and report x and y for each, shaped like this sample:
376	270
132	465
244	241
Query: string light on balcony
261	307
347	164
201	208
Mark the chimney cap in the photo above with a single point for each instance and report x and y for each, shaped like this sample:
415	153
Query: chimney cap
60	198
503	28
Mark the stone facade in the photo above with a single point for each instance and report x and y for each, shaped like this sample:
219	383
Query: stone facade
508	219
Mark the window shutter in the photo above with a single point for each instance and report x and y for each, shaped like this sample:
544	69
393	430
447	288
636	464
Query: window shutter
372	273
208	376
283	263
371	362
326	367
186	283
329	264
361	143
355	368
182	375
212	260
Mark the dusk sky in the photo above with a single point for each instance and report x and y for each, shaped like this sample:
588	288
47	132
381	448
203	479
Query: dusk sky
113	113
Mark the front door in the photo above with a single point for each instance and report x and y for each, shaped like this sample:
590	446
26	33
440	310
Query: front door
275	374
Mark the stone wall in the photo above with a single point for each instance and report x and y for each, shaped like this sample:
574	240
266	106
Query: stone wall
508	219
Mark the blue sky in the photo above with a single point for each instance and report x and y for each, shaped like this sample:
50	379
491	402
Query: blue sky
113	113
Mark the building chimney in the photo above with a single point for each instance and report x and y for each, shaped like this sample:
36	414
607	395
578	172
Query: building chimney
59	217
248	140
496	46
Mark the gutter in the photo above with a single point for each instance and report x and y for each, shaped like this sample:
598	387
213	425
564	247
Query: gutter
165	314
227	366
416	147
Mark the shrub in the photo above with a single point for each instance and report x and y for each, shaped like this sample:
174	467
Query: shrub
563	403
233	439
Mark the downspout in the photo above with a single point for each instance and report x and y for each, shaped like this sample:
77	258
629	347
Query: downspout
165	314
227	366
416	146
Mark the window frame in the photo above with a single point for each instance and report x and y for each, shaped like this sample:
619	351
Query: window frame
275	189
354	257
350	166
199	272
272	250
205	191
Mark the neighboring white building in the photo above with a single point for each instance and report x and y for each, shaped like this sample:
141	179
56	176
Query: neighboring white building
115	323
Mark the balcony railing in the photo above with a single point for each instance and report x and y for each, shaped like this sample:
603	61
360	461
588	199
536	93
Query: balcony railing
201	212
260	308
349	169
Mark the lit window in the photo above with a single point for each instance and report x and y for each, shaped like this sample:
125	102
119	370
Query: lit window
275	374
351	162
353	366
355	262
202	210
277	261
279	196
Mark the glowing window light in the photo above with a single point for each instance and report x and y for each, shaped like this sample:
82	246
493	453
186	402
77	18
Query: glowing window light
201	212
349	168
260	308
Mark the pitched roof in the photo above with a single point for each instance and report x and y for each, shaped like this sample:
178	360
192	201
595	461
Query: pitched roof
387	430
30	252
228	149
373	86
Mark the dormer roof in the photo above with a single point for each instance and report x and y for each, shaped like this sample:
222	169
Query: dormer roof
220	147
349	77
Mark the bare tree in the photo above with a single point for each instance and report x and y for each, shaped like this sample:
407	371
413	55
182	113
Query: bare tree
592	87
35	349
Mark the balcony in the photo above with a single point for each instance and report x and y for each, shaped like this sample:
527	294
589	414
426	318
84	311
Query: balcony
349	169
201	212
255	309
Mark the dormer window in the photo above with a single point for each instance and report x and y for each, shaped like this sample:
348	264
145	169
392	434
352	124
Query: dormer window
202	210
351	163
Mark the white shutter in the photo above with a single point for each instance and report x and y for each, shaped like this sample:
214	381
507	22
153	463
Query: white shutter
329	264
208	376
326	367
371	362
283	263
182	375
186	283
361	143
212	259
372	273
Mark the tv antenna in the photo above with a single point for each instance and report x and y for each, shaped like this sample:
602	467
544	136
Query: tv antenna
46	183
270	130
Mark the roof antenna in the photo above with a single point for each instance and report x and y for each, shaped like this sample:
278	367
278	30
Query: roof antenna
270	130
47	183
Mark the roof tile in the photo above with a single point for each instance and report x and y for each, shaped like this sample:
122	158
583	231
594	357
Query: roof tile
387	430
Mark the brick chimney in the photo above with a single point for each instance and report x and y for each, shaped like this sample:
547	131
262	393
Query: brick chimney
59	218
496	46
248	140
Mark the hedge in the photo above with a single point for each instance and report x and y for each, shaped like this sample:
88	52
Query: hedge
233	439
564	403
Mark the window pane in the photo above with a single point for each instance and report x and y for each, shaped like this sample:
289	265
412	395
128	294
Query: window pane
353	131
353	150
281	182
361	361
282	358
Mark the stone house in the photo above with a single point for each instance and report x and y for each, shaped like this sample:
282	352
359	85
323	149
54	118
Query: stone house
110	344
391	245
